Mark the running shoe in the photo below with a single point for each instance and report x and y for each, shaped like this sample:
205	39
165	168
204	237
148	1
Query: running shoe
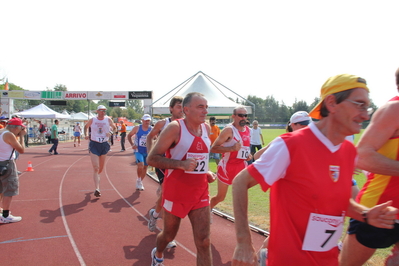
262	257
55	153
10	219
50	152
172	244
122	150
97	193
74	145
139	185
152	223
154	260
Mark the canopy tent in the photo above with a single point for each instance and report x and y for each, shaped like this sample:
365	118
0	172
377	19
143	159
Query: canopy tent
79	117
218	102
41	111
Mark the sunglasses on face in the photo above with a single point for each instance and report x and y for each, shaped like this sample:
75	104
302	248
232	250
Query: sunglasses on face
242	115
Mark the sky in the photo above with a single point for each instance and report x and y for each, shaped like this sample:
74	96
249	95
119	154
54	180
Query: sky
285	49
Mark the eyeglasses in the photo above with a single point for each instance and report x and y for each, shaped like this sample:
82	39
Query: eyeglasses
363	107
242	115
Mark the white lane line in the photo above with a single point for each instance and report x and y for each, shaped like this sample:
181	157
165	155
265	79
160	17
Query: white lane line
136	210
74	246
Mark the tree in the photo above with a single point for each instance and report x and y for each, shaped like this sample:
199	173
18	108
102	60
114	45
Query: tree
271	108
300	106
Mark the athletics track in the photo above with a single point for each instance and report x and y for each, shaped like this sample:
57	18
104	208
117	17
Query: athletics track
64	224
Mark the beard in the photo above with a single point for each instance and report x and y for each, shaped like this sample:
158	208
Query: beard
242	123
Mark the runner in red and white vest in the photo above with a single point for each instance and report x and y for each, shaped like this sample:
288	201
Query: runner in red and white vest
310	172
234	142
186	144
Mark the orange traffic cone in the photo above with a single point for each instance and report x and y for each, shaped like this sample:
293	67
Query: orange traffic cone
29	169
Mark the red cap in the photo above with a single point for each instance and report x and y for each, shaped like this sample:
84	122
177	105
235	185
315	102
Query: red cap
15	121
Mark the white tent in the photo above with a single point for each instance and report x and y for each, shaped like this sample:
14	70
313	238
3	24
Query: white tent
218	102
79	117
41	111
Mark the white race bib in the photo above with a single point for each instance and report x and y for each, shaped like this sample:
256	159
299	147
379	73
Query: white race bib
143	141
243	153
202	162
322	232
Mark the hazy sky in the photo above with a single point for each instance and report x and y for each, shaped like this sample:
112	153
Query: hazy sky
282	48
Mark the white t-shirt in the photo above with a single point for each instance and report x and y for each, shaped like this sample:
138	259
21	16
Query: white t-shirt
255	136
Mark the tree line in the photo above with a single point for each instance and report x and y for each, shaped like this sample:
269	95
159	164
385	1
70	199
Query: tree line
268	110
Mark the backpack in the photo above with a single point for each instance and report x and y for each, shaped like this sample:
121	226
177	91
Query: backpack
42	128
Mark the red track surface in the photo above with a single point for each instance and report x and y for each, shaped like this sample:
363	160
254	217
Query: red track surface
64	224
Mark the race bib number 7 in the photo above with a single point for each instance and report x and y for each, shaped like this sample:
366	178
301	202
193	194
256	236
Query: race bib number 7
202	162
322	232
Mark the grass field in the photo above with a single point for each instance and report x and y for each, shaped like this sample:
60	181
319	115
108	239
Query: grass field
258	207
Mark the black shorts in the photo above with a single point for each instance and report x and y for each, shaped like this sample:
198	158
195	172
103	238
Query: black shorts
161	174
99	148
373	237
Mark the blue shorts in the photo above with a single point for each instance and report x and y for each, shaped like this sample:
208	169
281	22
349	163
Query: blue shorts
141	158
98	148
76	134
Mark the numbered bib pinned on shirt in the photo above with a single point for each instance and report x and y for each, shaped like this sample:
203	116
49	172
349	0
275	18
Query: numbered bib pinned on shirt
202	162
322	232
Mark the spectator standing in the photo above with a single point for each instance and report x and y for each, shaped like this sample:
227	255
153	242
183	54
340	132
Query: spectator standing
256	137
11	140
54	137
215	132
26	136
42	130
122	134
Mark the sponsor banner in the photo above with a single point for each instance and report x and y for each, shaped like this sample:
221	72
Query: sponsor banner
75	95
99	95
33	95
119	95
52	95
140	94
16	94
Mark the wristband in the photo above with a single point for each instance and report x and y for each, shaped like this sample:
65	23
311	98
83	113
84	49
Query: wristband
364	215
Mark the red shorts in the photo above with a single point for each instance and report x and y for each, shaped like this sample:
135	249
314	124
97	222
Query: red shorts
227	172
181	209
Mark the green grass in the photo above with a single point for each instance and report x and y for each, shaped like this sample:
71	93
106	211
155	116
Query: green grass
258	207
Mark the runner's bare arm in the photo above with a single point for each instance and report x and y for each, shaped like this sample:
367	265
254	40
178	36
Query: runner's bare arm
382	215
225	135
86	128
383	126
151	137
166	140
131	134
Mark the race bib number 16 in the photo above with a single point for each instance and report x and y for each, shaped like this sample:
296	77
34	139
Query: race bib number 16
323	232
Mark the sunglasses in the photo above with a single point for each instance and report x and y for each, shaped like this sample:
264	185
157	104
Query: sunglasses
242	115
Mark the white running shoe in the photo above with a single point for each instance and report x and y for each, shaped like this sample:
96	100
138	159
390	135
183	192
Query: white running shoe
154	260
152	223
140	185
10	219
172	244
